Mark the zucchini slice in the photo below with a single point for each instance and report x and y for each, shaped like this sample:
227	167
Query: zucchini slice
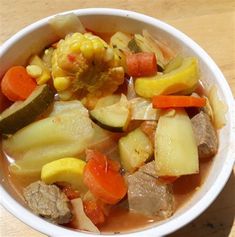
113	117
108	100
22	113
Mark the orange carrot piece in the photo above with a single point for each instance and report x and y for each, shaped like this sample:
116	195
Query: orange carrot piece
171	101
17	84
141	64
94	211
103	179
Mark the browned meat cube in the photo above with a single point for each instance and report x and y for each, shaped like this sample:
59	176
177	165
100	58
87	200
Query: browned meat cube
205	134
147	195
48	201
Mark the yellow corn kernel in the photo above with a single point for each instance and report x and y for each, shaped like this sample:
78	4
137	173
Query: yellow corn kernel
87	49
78	35
98	48
89	35
34	71
108	54
75	47
65	95
61	83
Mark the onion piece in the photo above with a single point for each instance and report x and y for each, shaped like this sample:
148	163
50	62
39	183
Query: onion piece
141	109
81	221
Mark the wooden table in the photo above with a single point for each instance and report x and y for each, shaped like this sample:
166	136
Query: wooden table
211	23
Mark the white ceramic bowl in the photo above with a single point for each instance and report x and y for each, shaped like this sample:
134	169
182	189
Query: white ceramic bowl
35	37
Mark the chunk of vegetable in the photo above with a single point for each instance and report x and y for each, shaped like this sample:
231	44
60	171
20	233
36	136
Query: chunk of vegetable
70	192
47	57
34	71
108	100
102	177
180	79
60	107
90	64
175	145
134	149
82	222
166	51
133	46
45	75
149	128
114	117
119	42
141	64
141	109
94	211
17	84
23	113
218	106
174	64
147	44
103	140
63	135
65	24
171	101
69	170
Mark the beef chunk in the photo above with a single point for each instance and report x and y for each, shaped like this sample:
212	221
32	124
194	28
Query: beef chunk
147	195
48	201
205	134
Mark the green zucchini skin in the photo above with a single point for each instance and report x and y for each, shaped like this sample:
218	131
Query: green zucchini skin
21	114
105	126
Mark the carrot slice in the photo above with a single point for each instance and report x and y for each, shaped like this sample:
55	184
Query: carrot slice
162	101
17	84
141	64
103	179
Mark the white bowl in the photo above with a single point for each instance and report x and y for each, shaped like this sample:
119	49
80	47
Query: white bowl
35	37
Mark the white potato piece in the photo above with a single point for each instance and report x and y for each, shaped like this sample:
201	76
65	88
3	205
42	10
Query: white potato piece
65	24
134	150
176	151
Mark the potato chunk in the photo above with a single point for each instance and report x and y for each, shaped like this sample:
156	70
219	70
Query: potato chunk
134	149
175	145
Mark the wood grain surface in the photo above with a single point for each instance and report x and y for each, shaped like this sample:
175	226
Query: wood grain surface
210	23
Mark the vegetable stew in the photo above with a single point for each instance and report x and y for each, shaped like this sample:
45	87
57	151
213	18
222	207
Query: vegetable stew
106	134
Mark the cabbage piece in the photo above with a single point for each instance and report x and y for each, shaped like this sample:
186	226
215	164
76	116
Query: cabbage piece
142	109
167	52
219	108
148	45
62	135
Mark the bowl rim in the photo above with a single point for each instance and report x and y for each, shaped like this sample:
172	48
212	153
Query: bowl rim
170	226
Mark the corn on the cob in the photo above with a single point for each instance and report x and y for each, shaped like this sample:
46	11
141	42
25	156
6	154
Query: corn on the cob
89	63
